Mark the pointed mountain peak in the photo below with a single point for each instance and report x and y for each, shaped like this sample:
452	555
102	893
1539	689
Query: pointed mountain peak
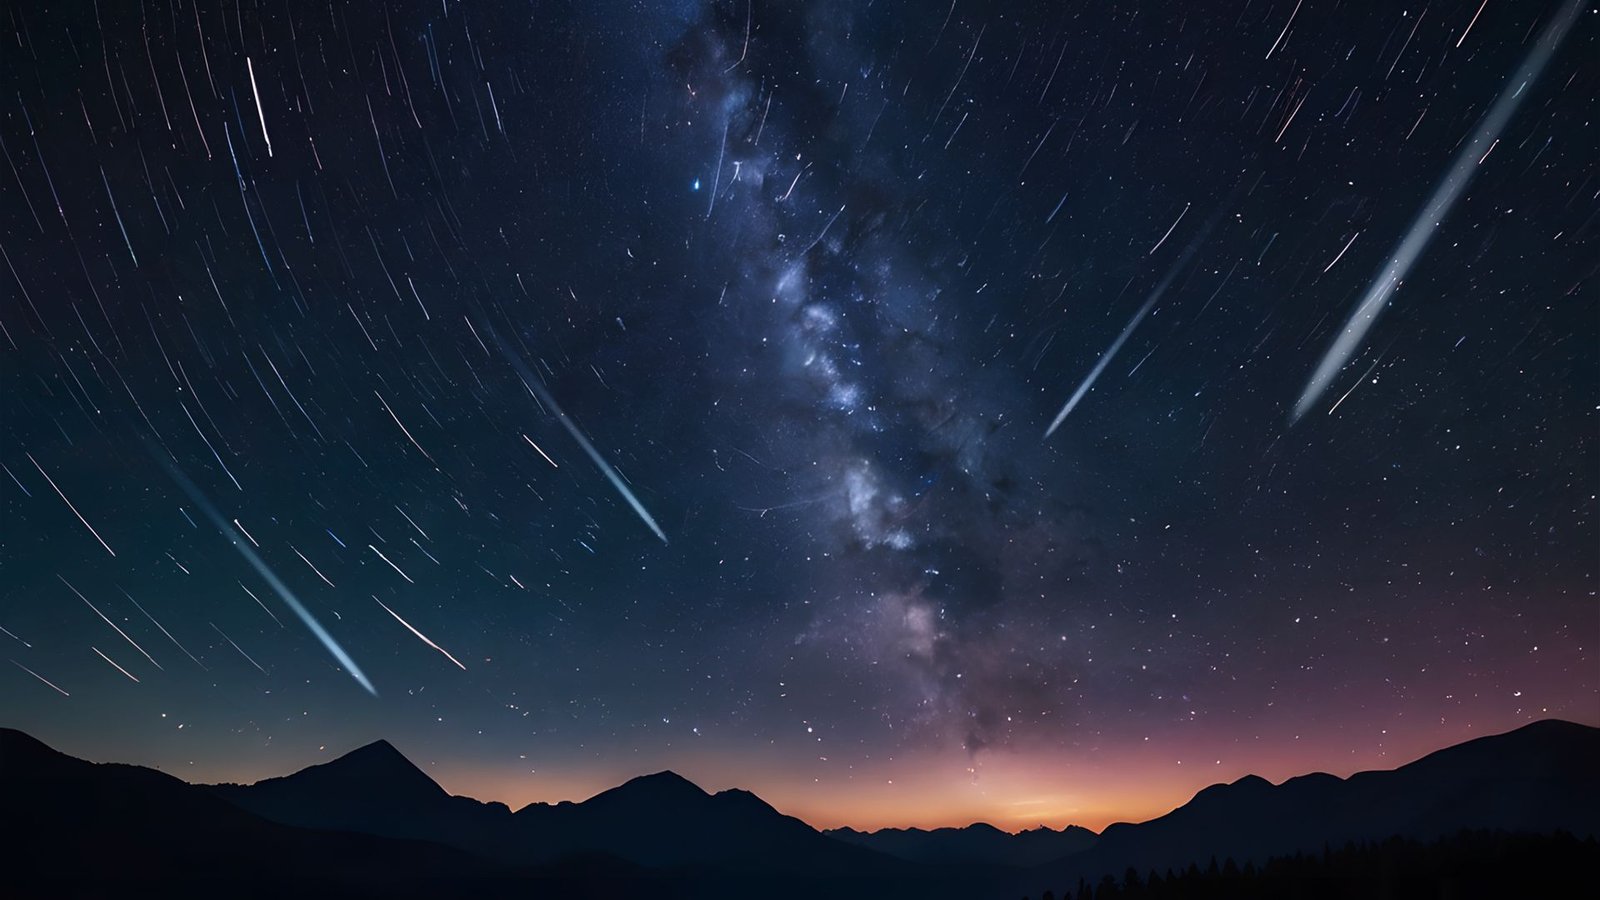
656	791
378	751
665	781
377	765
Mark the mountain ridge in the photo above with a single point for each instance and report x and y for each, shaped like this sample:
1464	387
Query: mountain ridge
350	814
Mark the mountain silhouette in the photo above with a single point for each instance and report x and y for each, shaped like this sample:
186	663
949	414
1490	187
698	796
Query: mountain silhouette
76	826
979	843
371	823
1540	778
375	789
660	820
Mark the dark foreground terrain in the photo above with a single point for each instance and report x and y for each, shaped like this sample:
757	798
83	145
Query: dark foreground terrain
1512	815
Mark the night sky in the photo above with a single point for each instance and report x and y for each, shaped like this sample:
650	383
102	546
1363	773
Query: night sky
912	412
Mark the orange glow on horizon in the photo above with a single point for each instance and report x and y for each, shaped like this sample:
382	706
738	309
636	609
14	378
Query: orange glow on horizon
1088	785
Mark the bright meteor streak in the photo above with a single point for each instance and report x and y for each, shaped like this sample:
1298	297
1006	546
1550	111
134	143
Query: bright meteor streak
41	678
533	384
114	664
269	576
1116	345
420	635
1428	220
109	622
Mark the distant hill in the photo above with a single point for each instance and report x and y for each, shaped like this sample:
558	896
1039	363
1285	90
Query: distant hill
660	820
979	843
1543	777
75	828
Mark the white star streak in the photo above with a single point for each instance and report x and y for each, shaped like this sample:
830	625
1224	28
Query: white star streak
109	622
260	604
413	523
1438	207
313	567
164	630
1342	252
259	114
541	451
41	678
245	533
113	663
239	648
70	506
391	563
402	426
420	635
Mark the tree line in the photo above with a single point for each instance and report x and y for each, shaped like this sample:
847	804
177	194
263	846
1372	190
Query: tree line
1471	864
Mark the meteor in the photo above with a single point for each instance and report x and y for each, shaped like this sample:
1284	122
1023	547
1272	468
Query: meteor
114	664
41	678
531	381
1427	222
109	622
419	634
1149	304
164	630
269	576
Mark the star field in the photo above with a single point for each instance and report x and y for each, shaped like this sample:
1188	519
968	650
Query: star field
912	412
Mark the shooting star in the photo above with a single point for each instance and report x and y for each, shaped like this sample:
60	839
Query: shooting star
1427	222
420	635
239	648
263	606
531	381
1149	304
41	678
113	663
267	575
165	631
391	564
69	505
109	622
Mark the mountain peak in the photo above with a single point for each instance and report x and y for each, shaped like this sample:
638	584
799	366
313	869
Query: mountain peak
378	752
372	770
664	787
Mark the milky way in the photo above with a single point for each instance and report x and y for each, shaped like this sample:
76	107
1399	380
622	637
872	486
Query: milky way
908	411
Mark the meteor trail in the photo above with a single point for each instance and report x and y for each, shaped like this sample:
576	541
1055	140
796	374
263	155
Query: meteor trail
238	648
1427	222
40	677
420	634
165	631
259	113
533	384
264	607
1116	345
109	622
1105	360
70	506
541	452
391	563
114	663
268	575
